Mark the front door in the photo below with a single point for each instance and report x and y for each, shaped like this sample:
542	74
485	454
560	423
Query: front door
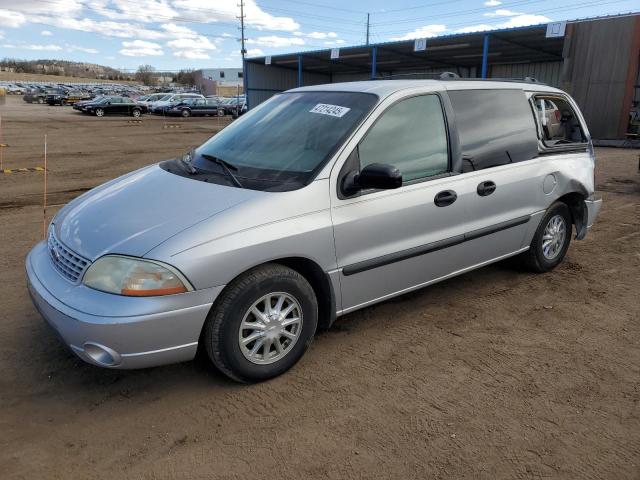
390	241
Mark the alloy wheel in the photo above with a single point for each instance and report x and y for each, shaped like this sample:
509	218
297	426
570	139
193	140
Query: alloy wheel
270	328
553	237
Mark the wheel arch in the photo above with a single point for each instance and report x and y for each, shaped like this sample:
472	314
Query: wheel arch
317	278
575	201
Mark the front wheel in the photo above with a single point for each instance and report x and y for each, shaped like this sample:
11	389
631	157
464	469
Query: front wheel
220	112
135	113
551	240
185	113
262	324
99	112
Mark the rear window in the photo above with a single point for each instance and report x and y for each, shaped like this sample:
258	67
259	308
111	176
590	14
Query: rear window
558	123
496	127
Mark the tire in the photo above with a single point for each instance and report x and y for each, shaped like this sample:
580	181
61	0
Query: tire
223	333
99	112
220	112
543	256
41	100
63	103
185	113
136	113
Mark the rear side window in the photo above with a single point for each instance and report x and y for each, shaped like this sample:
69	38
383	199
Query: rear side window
411	136
496	127
558	123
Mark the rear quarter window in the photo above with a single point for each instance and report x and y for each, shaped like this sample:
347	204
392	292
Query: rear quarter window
495	127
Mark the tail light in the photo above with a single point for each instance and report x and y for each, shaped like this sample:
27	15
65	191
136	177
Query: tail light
558	114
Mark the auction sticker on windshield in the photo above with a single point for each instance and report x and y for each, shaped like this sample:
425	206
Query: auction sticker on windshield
332	110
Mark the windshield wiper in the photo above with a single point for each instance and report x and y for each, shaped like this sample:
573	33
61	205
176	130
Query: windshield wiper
226	166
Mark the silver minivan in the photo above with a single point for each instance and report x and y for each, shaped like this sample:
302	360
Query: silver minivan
318	202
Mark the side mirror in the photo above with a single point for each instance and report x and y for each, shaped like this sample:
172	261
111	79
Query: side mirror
377	175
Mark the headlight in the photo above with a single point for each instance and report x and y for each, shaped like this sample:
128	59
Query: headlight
134	277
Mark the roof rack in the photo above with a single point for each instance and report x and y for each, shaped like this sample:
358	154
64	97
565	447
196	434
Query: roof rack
455	76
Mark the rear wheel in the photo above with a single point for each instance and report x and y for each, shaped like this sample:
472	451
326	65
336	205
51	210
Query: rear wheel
99	112
135	112
551	240
63	102
185	113
40	100
220	112
262	324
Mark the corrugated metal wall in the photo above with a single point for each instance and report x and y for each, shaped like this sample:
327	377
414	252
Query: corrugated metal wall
264	81
546	72
598	56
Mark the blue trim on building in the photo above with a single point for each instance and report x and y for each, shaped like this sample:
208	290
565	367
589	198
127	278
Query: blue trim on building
485	55
374	66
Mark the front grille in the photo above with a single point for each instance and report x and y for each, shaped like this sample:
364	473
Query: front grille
70	265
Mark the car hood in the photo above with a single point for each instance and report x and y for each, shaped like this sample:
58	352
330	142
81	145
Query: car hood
133	214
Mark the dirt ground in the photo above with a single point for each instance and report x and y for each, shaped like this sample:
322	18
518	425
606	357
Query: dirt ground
495	374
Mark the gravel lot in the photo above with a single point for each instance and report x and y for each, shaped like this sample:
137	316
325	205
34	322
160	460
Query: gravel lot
496	374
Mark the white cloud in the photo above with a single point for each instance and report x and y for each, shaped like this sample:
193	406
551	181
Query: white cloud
227	11
276	41
46	33
140	48
523	20
1	34
335	42
179	31
517	20
140	10
423	32
191	47
108	28
502	12
492	3
49	7
76	48
254	52
475	28
48	48
322	35
191	54
11	19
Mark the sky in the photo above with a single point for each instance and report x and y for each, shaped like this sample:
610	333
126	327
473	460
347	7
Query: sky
180	34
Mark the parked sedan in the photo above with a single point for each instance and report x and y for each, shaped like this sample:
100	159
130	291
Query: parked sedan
163	104
35	95
193	107
114	106
64	97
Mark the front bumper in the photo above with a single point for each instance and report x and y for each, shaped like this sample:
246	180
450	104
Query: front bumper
115	331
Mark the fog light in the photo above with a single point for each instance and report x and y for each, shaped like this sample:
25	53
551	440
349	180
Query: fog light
102	355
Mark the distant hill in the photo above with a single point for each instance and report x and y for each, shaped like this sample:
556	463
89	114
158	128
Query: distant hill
63	68
36	77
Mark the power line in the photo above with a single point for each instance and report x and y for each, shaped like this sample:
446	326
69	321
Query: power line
330	7
458	12
540	12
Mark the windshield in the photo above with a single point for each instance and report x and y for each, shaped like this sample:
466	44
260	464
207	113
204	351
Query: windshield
288	137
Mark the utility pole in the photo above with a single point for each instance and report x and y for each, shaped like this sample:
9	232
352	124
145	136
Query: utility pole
243	50
367	29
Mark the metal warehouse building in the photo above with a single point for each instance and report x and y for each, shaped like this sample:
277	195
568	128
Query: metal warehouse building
595	60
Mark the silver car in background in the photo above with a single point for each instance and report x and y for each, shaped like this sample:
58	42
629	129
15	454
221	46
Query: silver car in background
318	202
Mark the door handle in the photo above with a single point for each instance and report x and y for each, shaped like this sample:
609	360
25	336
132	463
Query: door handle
486	188
444	198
